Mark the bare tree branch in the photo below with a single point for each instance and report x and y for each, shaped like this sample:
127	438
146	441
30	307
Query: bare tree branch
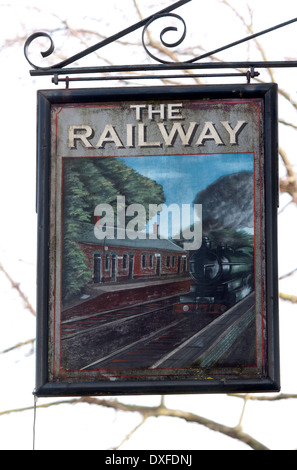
279	397
131	433
289	297
288	274
162	410
16	286
19	345
288	184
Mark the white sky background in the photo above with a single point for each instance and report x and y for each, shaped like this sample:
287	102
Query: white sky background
85	427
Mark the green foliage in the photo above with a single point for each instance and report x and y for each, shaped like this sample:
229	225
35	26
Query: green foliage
75	270
88	182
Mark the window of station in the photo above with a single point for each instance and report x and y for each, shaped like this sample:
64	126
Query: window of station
143	260
151	261
125	261
106	261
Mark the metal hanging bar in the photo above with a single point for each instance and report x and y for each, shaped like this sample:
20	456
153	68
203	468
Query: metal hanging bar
166	67
162	65
241	41
97	46
67	80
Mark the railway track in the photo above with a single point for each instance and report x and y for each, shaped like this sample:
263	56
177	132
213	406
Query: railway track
85	340
145	351
152	336
78	326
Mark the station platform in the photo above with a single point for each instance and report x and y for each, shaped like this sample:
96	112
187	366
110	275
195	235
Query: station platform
105	297
207	347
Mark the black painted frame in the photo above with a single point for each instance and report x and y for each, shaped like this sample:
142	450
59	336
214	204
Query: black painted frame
46	98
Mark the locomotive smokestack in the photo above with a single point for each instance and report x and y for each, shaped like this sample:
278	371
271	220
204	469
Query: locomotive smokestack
221	249
206	243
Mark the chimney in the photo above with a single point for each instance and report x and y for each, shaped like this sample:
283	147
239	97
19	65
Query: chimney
156	229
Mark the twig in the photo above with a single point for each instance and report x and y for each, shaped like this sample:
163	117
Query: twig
288	297
134	430
288	184
19	345
246	398
288	274
17	287
279	397
148	412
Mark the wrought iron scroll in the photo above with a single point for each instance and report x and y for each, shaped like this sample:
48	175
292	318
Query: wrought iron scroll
163	32
62	68
97	46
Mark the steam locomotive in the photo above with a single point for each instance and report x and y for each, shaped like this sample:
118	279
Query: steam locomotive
222	277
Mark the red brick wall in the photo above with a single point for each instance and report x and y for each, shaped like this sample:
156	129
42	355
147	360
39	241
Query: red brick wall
169	262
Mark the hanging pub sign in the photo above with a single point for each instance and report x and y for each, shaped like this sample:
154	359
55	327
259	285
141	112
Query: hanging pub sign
157	258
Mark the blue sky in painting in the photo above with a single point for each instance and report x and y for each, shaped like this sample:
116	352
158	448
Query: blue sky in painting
183	176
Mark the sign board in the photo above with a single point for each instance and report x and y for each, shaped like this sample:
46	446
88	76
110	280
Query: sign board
157	253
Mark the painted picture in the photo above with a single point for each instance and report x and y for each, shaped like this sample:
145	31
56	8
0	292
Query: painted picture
137	292
157	242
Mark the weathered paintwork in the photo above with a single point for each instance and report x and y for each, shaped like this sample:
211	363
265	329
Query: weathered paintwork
183	145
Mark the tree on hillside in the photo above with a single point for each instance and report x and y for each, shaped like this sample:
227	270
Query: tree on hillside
87	183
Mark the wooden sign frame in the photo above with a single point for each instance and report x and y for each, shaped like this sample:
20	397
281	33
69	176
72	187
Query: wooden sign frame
132	299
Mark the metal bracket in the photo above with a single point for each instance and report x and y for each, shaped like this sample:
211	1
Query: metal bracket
96	73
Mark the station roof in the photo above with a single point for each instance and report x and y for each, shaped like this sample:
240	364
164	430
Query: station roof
122	239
